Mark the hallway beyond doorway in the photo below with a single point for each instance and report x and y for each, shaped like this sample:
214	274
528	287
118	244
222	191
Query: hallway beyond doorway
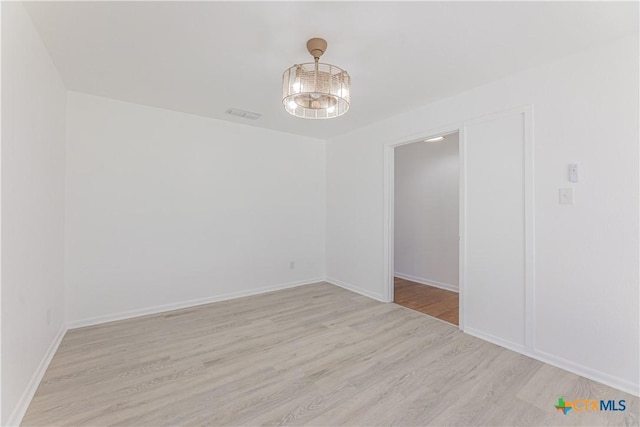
435	302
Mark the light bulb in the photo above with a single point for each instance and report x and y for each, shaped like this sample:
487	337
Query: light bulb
435	139
293	105
331	109
296	87
342	92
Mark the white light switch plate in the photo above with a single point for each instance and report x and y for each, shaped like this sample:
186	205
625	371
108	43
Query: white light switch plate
566	196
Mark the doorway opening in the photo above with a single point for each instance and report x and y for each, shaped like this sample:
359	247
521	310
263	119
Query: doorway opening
426	224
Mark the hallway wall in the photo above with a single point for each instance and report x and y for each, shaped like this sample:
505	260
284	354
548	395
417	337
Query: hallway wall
427	212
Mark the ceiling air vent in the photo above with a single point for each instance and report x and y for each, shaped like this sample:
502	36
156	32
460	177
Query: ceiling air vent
244	114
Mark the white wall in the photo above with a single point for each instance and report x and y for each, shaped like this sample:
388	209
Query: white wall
33	134
426	212
497	246
585	111
165	208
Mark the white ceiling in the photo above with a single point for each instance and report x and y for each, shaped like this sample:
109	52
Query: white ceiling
203	57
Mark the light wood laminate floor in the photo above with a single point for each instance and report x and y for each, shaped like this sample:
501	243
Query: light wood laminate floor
436	302
315	355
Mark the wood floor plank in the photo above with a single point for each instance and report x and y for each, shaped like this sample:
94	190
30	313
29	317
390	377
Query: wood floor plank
313	355
435	302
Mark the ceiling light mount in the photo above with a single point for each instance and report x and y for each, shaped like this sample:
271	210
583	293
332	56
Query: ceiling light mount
316	90
316	47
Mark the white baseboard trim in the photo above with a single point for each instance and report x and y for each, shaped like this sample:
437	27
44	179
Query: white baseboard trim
583	371
559	362
348	286
23	403
186	304
518	348
25	400
434	283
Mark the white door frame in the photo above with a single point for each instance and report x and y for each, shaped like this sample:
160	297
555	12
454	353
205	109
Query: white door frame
529	208
389	206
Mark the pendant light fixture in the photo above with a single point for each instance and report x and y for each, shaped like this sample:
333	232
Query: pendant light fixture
315	90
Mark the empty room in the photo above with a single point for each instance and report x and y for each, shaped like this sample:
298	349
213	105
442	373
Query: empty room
320	213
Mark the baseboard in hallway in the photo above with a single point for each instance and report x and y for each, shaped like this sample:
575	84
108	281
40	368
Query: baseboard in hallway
435	302
429	282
